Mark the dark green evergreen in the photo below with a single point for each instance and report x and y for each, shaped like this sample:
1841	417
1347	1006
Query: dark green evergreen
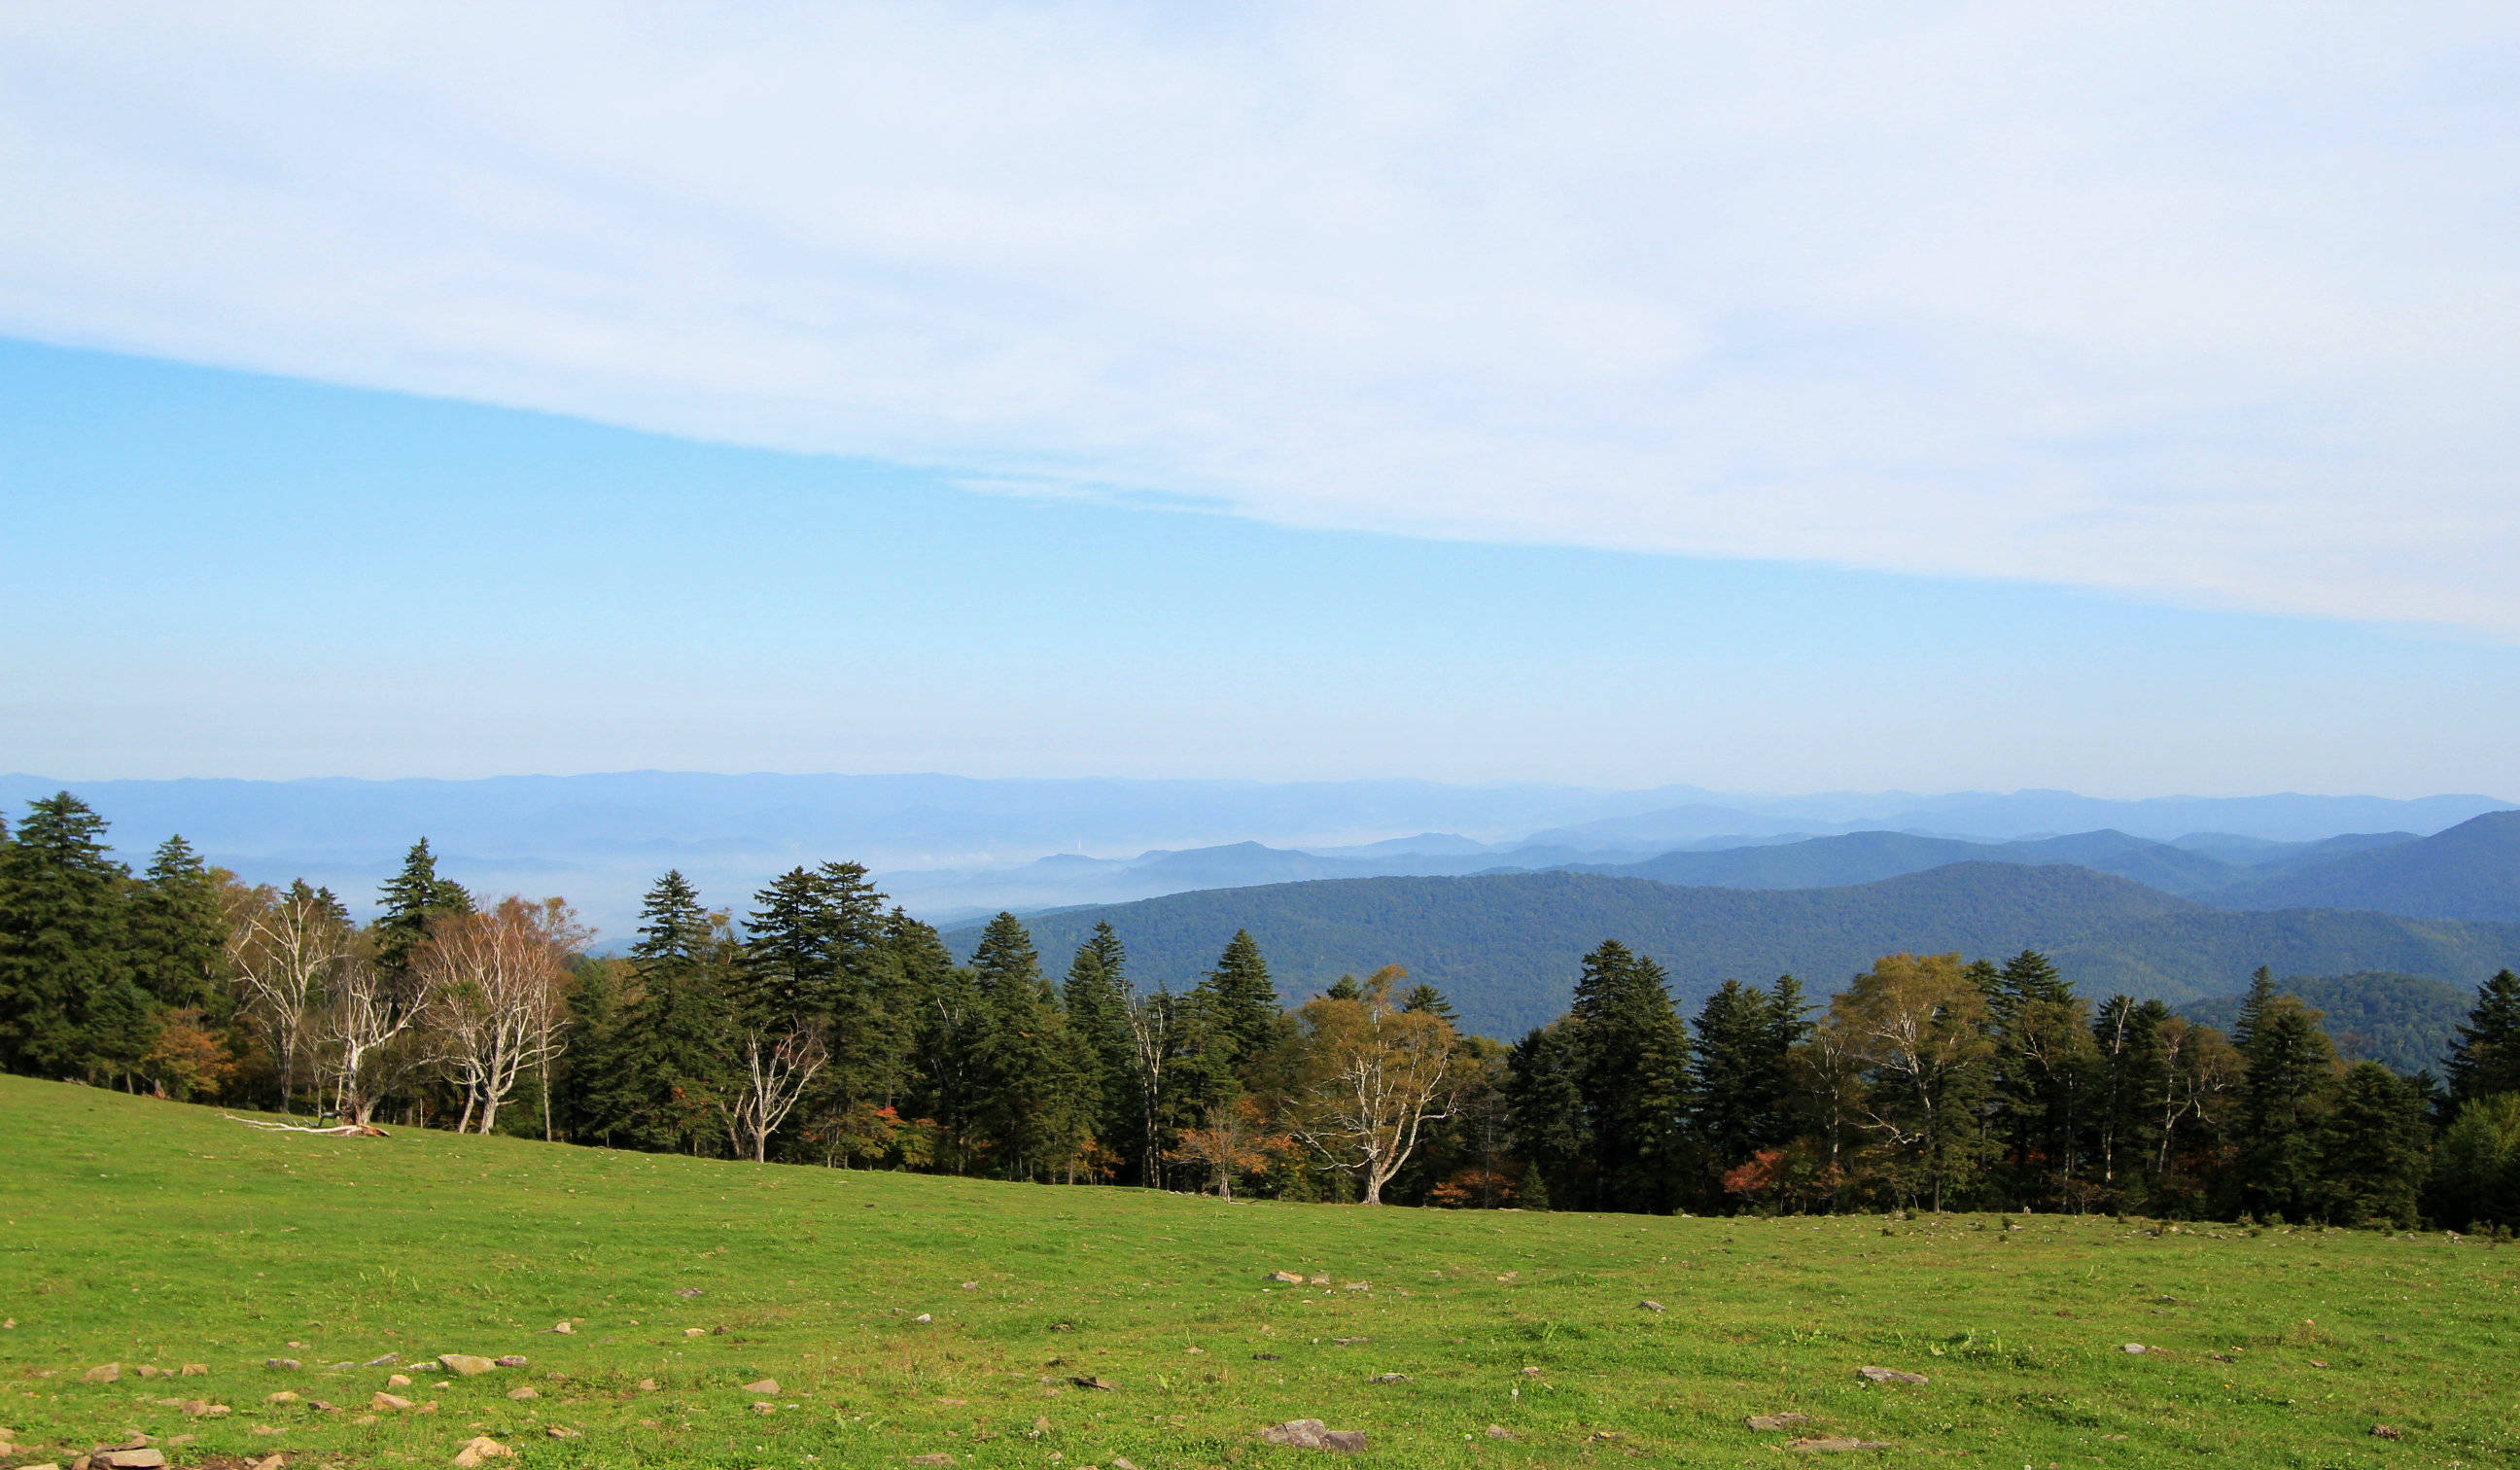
2375	1150
178	934
2485	1058
1632	1068
2289	1089
408	902
70	1002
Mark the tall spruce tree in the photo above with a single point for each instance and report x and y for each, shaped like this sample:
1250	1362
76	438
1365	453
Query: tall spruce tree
2484	1059
948	1028
1097	999
1739	1087
178	933
409	902
1239	1002
676	1051
1546	1104
71	1004
1032	1087
2375	1150
1632	1068
2290	1088
2045	1070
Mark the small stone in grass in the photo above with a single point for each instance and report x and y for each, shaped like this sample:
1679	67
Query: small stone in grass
929	1459
104	1372
1499	1432
764	1407
1776	1421
382	1359
465	1365
1834	1445
1891	1375
2386	1432
394	1402
1313	1434
284	1365
647	1385
762	1386
284	1395
695	1332
562	1432
523	1391
1388	1378
511	1361
478	1448
397	1380
194	1370
975	1286
686	1291
1090	1381
1650	1306
2131	1348
922	1317
2318	1363
564	1329
1287	1277
1118	1463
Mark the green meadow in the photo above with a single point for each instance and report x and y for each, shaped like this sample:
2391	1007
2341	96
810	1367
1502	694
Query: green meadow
907	1315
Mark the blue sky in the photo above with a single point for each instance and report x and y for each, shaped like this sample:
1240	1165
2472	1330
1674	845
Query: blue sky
1783	397
220	573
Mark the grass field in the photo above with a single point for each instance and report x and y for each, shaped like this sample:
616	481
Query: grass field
906	1315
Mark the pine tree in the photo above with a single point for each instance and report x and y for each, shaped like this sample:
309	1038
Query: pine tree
1032	1088
2291	1080
1096	997
948	1027
1546	1107
1429	999
1632	1068
69	1003
2253	1008
178	933
2484	1059
677	1039
408	902
1737	1078
2045	1066
2375	1150
1240	1002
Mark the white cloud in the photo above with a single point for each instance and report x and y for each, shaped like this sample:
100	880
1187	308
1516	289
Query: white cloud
2216	307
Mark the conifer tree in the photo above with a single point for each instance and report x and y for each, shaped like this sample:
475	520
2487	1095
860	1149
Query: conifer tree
1738	1101
178	933
1033	1098
408	902
1097	997
2375	1150
1632	1069
69	1003
2285	1102
2045	1064
1430	1000
948	1026
1238	1002
2484	1059
1546	1104
677	1041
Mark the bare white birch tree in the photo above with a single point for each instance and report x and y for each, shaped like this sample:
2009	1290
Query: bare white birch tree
367	1031
777	1070
491	982
286	948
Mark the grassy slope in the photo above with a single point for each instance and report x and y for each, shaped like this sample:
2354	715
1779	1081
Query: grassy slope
148	1232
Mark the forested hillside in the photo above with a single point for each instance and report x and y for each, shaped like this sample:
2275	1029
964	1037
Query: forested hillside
2407	1023
2471	871
1869	857
1504	946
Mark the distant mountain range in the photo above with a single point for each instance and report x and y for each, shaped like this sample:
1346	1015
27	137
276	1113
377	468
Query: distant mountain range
1505	947
951	847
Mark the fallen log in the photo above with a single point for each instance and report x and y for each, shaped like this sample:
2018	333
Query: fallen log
341	1131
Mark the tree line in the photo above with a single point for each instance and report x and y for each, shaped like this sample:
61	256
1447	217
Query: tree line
825	1025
